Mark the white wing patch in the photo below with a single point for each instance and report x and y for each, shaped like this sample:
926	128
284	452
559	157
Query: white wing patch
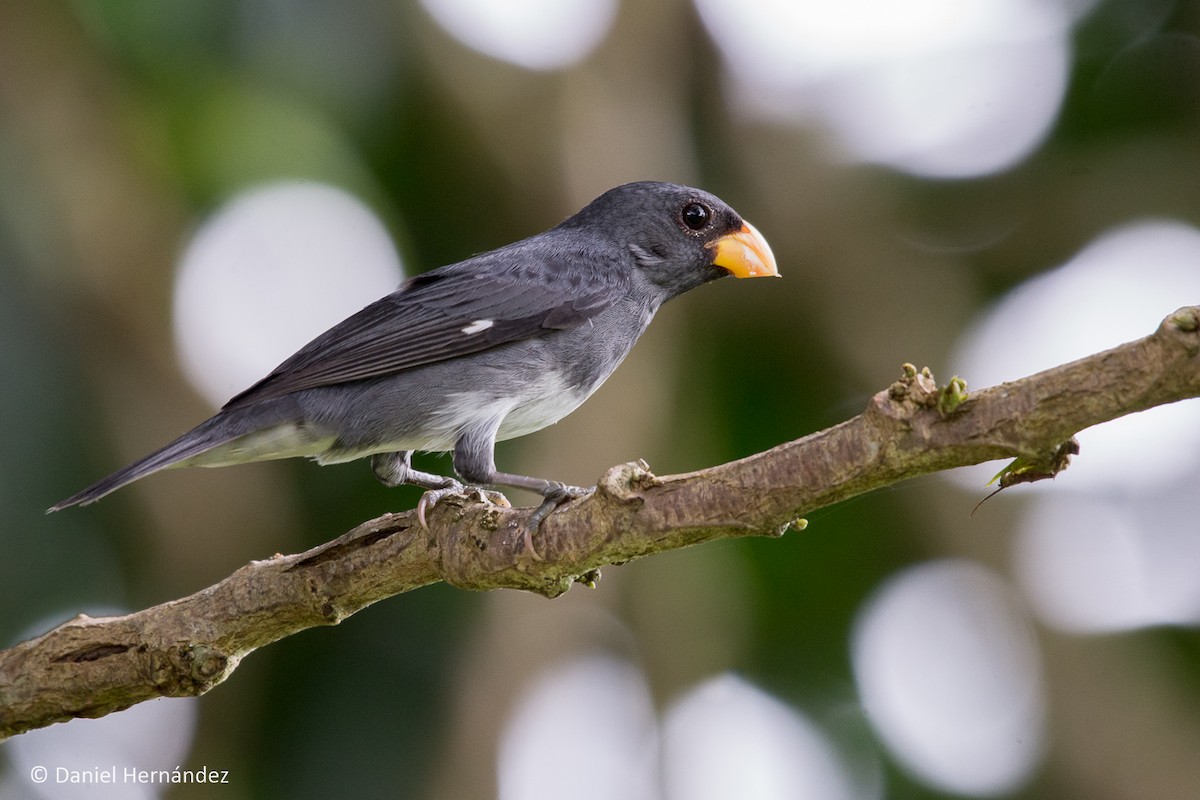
478	326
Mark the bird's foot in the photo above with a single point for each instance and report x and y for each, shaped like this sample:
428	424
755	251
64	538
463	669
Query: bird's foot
556	495
433	496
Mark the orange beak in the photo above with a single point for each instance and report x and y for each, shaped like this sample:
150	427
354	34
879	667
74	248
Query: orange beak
745	253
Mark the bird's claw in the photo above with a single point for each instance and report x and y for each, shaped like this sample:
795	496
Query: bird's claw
434	496
556	495
559	494
492	497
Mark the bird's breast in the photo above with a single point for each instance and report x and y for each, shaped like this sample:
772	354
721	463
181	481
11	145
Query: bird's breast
575	363
539	401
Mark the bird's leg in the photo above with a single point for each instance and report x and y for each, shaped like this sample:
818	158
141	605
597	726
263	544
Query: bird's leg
474	460
554	494
395	469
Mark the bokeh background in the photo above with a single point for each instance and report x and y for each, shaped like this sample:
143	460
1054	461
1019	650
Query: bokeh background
190	190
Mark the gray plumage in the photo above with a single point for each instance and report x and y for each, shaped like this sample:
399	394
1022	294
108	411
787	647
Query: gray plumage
493	347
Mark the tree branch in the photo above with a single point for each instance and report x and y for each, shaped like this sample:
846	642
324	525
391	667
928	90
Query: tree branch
90	667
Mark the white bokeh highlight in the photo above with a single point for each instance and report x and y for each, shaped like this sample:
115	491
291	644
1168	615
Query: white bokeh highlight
1116	289
267	272
938	88
727	738
594	717
534	34
1096	564
154	735
585	729
949	673
1113	543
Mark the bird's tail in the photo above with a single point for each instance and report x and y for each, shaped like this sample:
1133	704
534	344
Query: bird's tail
204	436
189	449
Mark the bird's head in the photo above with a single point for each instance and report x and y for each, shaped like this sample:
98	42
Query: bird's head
678	237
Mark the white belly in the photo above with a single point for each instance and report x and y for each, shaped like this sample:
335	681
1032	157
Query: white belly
542	402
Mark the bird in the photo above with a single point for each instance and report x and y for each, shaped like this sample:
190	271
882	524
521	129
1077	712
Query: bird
490	348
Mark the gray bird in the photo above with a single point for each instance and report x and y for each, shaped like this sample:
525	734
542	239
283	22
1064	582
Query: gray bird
491	348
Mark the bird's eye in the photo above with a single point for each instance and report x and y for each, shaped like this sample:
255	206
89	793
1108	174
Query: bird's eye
696	216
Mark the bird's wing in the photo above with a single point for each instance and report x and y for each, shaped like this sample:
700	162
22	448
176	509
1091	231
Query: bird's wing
450	312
